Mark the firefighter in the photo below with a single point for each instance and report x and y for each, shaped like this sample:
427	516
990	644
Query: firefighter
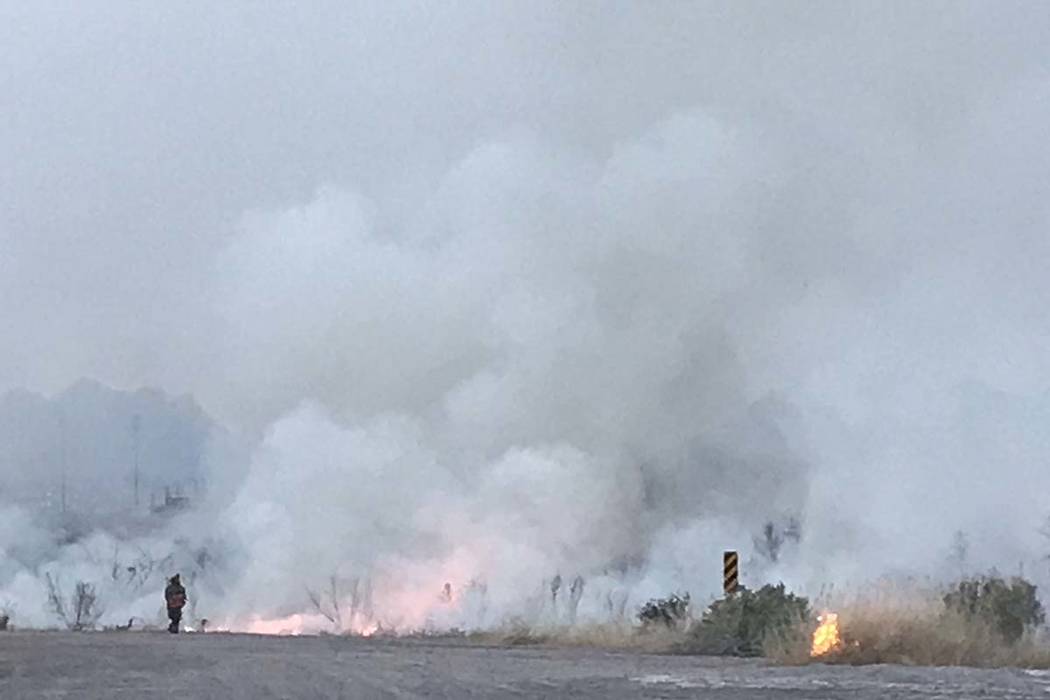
175	597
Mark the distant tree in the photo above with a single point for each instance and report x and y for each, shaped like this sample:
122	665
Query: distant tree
575	595
959	552
773	537
1044	530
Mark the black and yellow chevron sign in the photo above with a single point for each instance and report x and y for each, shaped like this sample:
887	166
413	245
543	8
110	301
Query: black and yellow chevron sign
730	572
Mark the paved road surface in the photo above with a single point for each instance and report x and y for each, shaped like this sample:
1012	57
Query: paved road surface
155	665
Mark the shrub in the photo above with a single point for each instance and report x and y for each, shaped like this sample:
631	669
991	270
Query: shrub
742	624
83	609
1008	607
669	612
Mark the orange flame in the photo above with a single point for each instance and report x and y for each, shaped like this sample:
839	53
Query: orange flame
401	609
826	636
406	597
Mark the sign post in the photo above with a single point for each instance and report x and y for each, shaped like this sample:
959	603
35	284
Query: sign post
730	572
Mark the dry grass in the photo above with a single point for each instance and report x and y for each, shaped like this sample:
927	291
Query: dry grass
913	627
886	623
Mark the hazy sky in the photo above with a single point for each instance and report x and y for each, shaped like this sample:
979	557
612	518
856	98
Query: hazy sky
135	136
768	252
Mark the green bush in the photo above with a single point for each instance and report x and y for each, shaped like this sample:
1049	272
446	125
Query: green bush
670	611
1008	607
743	623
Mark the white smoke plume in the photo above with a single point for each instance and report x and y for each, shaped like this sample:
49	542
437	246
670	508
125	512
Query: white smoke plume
598	297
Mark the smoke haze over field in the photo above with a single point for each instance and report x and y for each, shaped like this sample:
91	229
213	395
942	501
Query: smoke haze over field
498	291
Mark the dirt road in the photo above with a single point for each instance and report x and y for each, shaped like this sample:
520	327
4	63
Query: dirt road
156	665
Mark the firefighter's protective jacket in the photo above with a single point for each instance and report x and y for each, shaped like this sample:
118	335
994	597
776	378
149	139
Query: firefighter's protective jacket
175	594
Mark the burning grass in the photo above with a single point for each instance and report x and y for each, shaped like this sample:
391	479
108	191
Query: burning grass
984	621
927	628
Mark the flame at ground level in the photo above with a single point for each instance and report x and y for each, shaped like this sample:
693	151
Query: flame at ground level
293	626
826	636
396	610
396	596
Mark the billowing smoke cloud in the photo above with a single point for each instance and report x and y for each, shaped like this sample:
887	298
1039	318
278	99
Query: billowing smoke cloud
539	368
600	299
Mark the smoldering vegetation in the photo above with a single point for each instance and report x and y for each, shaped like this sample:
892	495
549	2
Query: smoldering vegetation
983	621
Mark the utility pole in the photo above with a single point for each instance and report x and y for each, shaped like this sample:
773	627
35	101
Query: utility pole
62	453
136	427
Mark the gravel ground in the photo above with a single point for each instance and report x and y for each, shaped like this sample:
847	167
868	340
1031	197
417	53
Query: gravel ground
157	665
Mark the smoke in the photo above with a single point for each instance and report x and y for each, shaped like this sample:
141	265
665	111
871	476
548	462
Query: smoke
598	299
539	370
